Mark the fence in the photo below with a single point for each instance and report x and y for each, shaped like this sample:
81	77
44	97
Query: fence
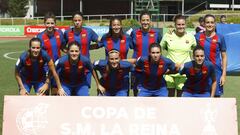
163	18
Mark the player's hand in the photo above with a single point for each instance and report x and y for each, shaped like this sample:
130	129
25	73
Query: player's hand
222	80
61	92
23	92
42	89
101	89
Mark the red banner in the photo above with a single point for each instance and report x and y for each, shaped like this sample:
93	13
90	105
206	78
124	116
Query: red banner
34	30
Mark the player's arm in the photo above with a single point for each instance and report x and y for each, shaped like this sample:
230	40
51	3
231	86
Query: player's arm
94	46
61	92
22	89
214	86
224	68
100	88
45	87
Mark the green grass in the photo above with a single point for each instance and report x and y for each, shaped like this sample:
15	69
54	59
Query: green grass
8	85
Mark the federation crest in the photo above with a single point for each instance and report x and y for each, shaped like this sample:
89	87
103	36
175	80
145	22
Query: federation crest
30	121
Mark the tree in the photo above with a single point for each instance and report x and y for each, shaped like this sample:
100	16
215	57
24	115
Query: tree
3	6
17	8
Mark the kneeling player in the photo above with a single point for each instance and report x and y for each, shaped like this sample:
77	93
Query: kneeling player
114	75
201	79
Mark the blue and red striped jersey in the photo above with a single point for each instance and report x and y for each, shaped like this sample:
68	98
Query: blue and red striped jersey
52	43
142	40
122	45
151	74
114	79
198	81
84	38
32	70
213	46
73	74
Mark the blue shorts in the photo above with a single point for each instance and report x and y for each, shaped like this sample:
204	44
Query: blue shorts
78	90
143	92
123	92
35	85
188	94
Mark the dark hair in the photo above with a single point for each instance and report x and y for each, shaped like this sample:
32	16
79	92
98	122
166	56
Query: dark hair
110	32
73	43
77	13
145	12
154	45
223	16
209	15
177	17
49	15
198	47
200	19
35	39
113	51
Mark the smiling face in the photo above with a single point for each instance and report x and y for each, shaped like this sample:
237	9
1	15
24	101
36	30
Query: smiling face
78	21
116	26
210	24
199	56
145	22
155	54
35	49
50	25
114	59
74	52
180	26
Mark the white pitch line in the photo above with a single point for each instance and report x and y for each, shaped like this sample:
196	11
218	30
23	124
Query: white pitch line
7	57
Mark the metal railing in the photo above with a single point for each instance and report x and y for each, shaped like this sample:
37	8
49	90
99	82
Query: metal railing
100	18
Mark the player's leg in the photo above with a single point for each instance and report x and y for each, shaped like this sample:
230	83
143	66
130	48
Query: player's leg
170	85
179	82
144	92
162	92
67	89
203	95
27	86
123	92
37	86
219	89
187	94
82	90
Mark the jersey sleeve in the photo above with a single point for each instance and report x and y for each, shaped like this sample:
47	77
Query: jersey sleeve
65	35
63	42
170	64
212	70
159	37
223	47
89	65
96	65
133	37
45	56
129	41
101	43
94	36
139	65
182	69
19	64
58	65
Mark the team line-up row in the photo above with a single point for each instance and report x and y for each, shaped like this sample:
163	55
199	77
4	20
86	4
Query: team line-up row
151	73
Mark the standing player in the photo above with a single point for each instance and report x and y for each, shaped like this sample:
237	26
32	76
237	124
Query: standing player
143	37
179	45
84	36
201	79
215	50
150	71
73	69
29	71
52	39
116	39
114	75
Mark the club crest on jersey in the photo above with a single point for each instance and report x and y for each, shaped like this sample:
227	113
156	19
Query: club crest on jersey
204	72
160	66
214	41
40	61
79	67
57	36
84	35
122	41
201	39
187	42
151	35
